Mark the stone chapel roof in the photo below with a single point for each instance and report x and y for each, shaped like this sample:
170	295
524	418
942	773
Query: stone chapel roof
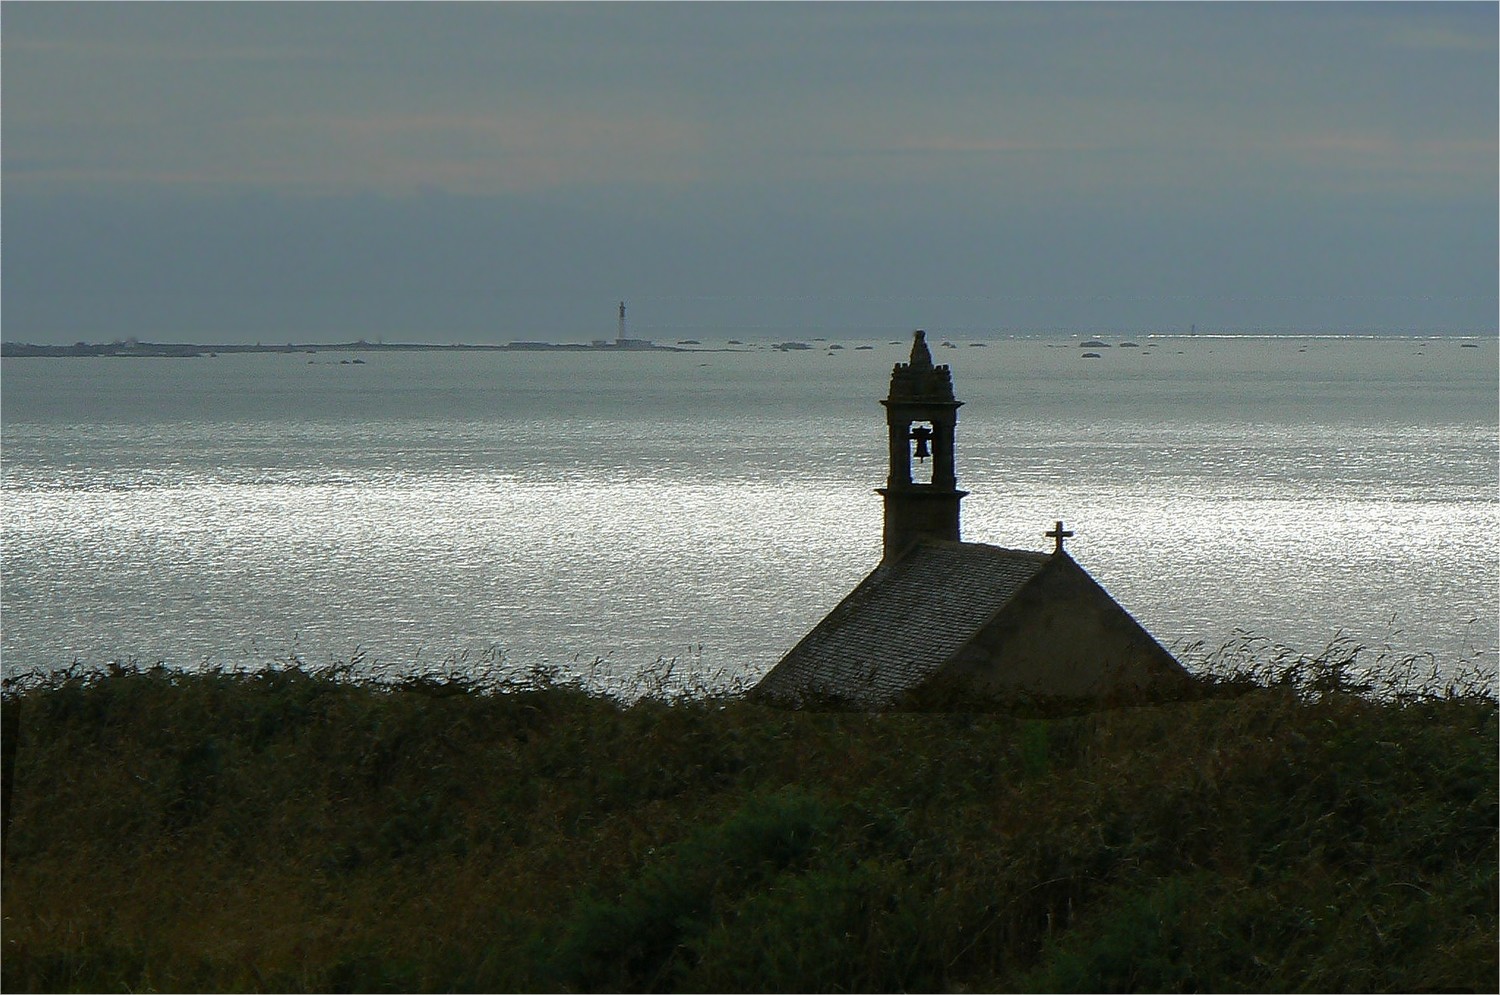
902	623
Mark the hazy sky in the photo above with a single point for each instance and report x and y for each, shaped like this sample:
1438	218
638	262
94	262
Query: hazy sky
475	172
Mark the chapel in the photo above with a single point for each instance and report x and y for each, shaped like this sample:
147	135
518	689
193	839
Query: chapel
945	623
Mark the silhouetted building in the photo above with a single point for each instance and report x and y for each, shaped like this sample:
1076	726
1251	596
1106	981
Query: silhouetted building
948	623
920	410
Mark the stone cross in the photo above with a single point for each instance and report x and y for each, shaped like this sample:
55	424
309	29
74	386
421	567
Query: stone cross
1059	534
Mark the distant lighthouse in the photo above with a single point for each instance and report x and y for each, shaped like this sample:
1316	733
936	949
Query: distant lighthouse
622	340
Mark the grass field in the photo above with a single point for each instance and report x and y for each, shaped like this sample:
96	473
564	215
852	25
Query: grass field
290	831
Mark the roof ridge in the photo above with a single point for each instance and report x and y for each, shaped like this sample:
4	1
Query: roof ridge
1037	555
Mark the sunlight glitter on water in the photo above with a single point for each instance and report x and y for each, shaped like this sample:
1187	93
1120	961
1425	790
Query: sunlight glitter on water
588	512
631	571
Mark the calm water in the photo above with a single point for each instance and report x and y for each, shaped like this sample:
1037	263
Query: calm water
711	507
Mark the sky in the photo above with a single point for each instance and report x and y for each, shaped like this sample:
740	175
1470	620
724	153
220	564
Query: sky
483	172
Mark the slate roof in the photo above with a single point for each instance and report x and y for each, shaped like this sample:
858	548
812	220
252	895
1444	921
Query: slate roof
902	623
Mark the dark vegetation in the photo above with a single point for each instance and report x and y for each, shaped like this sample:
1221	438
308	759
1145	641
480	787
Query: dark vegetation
291	830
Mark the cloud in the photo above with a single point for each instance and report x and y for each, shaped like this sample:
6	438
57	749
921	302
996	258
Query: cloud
527	149
760	149
507	99
1433	38
157	53
1373	161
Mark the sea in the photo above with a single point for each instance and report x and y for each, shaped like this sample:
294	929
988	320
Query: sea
687	516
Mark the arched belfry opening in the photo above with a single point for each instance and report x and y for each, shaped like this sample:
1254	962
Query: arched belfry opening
921	436
921	491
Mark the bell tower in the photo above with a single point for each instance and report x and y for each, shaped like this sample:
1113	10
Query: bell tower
920	414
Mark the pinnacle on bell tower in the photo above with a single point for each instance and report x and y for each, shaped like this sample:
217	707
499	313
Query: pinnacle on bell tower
921	414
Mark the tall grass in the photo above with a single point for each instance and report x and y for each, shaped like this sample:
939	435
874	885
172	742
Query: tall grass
1289	829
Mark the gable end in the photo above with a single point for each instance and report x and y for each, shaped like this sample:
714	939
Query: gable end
1061	636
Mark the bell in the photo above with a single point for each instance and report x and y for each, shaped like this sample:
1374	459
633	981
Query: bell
922	434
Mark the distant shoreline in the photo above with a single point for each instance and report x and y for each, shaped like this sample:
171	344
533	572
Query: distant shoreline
133	348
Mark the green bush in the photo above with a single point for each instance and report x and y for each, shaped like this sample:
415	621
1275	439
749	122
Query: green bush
300	831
